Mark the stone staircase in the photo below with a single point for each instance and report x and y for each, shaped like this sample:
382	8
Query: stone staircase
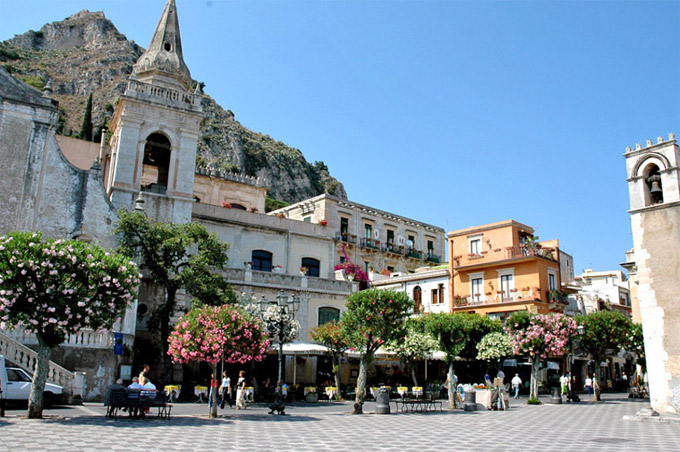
24	357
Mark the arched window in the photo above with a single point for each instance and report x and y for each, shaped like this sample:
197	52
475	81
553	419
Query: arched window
418	298
262	260
238	206
328	315
312	266
653	188
156	164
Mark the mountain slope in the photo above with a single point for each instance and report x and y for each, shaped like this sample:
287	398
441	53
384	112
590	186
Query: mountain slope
85	53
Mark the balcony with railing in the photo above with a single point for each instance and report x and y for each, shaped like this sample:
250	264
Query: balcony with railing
431	257
370	243
347	238
503	254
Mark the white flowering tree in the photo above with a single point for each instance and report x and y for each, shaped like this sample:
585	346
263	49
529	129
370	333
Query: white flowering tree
54	288
281	328
494	346
412	347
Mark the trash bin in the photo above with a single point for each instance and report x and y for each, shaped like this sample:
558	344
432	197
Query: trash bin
382	401
312	397
470	401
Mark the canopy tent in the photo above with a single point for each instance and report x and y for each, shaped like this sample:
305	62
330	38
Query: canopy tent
302	348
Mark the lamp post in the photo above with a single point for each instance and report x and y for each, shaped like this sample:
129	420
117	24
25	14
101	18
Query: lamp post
280	327
572	397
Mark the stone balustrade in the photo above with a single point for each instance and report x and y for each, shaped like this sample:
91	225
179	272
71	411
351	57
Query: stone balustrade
149	91
83	338
26	358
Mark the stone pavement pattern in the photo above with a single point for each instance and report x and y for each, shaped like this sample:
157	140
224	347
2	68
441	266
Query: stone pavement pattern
329	427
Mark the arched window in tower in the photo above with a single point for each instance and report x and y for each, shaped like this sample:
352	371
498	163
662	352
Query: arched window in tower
156	163
653	188
418	298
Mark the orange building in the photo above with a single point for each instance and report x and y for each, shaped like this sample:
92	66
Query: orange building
499	268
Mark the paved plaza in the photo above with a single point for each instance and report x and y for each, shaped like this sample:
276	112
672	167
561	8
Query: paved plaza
327	426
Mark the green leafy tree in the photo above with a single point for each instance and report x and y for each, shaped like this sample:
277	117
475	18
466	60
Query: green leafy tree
458	335
373	317
176	256
54	288
413	347
214	333
332	336
605	333
86	127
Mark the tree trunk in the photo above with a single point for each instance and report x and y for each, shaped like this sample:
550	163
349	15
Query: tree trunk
35	400
413	376
336	376
165	316
451	388
533	391
213	392
361	386
596	382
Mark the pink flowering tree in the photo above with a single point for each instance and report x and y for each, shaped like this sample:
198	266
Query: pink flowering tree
54	288
214	333
373	318
540	337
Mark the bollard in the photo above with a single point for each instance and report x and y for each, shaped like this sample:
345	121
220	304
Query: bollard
382	401
555	396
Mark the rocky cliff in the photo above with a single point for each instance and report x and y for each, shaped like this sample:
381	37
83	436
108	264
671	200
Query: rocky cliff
85	53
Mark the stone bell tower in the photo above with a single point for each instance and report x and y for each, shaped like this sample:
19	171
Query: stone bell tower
155	130
654	186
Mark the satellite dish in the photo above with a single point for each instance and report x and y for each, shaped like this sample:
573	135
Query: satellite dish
400	239
409	243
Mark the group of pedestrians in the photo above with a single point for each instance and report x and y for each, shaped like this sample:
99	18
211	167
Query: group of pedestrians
226	391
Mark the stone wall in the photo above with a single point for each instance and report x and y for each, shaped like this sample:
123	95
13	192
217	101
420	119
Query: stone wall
658	276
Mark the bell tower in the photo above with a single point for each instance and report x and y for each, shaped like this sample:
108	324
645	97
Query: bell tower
654	187
155	130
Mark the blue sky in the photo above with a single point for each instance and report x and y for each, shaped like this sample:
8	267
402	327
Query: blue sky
455	113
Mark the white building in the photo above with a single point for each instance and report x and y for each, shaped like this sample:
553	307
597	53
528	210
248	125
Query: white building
602	290
428	288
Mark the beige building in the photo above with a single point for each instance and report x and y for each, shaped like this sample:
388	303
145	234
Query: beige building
379	241
653	175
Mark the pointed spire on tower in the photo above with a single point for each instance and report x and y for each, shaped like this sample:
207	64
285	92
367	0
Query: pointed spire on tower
163	63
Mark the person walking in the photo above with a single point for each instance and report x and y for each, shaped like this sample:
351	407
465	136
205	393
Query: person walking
564	384
516	383
241	391
589	385
225	389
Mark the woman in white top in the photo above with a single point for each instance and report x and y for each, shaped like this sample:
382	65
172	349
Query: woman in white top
241	391
225	390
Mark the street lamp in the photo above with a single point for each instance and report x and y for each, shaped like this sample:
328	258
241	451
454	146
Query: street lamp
280	327
572	397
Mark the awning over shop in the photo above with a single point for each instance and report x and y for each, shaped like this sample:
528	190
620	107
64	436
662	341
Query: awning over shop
302	348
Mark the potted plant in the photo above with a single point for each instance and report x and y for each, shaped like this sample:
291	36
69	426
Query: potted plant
303	271
323	222
226	205
253	209
248	265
